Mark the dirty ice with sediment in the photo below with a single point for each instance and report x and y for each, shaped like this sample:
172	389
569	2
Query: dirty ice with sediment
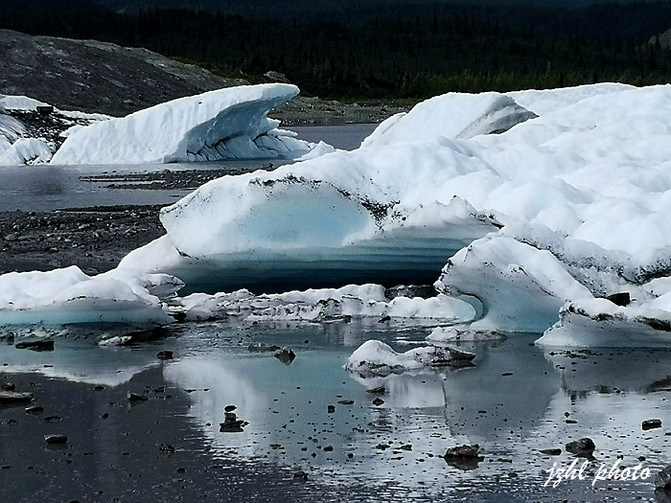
532	211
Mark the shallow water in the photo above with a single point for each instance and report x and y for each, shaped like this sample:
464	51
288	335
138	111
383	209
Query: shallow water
513	402
46	187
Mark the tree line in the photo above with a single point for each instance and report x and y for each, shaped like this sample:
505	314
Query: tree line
402	51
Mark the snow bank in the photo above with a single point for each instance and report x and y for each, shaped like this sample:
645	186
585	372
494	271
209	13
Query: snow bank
227	123
322	305
68	296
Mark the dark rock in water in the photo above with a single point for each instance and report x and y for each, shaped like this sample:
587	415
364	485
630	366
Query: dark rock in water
36	345
458	354
164	355
663	479
649	424
230	408
259	347
8	386
8	338
15	397
300	475
346	402
285	355
380	390
464	457
378	402
136	397
550	452
52	419
34	409
330	409
583	447
232	424
56	439
166	448
620	299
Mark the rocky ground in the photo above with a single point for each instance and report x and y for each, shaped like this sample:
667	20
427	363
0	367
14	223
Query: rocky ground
95	239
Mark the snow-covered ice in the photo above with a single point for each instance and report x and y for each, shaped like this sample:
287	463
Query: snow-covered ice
228	123
68	296
530	207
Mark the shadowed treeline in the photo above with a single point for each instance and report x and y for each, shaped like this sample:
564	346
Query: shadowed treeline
411	50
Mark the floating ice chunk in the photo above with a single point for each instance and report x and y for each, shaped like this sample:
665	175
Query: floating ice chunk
318	150
227	123
450	116
11	129
19	104
600	323
68	296
376	359
521	287
25	151
323	304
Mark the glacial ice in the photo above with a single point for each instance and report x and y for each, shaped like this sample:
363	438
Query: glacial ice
535	206
25	151
569	206
68	296
325	304
228	123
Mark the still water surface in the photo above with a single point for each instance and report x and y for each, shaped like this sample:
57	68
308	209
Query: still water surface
515	401
46	188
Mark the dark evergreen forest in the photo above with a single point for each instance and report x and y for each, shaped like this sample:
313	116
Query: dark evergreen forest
408	50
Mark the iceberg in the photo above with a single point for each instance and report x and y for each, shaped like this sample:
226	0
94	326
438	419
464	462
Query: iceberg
68	296
320	305
228	123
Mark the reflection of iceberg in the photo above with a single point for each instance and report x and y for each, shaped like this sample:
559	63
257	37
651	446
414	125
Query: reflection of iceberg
609	371
229	123
79	360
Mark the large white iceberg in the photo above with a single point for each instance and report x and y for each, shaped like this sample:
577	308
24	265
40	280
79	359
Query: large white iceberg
574	205
228	123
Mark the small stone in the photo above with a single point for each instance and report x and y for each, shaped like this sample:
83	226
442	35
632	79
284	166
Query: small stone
330	408
378	402
285	355
230	408
14	397
136	397
622	299
346	402
583	447
166	448
380	390
550	452
328	448
164	355
300	475
649	424
464	457
34	409
663	479
56	439
36	345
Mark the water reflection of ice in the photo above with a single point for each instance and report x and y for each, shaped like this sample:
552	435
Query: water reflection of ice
512	403
79	361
